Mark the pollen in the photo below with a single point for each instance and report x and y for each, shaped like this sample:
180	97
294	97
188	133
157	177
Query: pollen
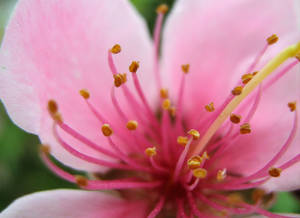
52	107
162	9
84	93
150	152
274	172
194	162
210	107
245	128
247	77
200	173
45	149
221	175
292	106
132	125
185	68
120	79
106	130
164	93
234	118
116	49
237	90
182	140
272	39
166	104
194	133
134	66
81	180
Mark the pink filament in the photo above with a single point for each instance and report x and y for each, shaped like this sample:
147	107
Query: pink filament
157	208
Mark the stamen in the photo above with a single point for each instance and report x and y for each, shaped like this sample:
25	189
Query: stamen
157	208
274	172
292	106
134	66
106	130
166	104
298	56
182	140
257	195
132	125
210	107
194	162
119	79
185	68
237	90
150	152
164	93
234	118
84	93
221	175
194	133
45	149
52	107
245	128
247	77
116	49
81	180
200	173
272	39
162	9
172	111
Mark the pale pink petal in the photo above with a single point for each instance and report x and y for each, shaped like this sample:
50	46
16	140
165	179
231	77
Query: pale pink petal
52	49
73	203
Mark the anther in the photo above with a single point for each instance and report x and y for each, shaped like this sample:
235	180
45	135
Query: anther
106	130
182	140
52	107
162	9
205	156
84	93
292	106
132	125
200	173
210	107
134	66
274	172
166	104
272	39
234	118
297	56
194	162
120	79
150	152
172	111
164	93
194	133
257	195
247	77
185	68
235	199
221	175
45	149
254	73
245	128
81	180
237	90
116	49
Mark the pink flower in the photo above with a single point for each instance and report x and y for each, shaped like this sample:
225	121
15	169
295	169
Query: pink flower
181	137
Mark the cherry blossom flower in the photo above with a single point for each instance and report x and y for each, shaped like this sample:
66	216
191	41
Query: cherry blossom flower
204	125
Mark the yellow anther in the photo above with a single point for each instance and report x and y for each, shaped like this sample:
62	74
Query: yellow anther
172	111
194	162
298	56
272	39
257	195
205	156
134	66
57	117
150	152
274	172
247	77
235	199
84	93
162	9
106	130
52	107
254	73
292	106
210	107
164	93
81	180
116	49
194	133
185	68
237	90
182	140
245	128
45	149
166	104
132	125
235	118
221	175
120	79
200	173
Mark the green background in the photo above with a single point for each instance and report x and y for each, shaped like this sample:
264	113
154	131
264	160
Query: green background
21	170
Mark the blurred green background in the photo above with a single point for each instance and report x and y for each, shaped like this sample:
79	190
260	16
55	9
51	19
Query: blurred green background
21	170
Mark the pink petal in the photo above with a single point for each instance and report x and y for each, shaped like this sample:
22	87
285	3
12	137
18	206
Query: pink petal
73	203
54	48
